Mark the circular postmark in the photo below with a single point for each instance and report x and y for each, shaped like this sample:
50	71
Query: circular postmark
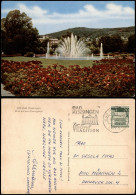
109	121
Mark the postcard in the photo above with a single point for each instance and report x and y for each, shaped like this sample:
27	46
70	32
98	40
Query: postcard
68	146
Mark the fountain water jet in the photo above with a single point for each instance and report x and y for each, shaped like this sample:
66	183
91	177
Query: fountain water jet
101	51
71	47
48	49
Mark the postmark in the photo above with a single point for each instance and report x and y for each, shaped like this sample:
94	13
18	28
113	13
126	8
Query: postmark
116	118
85	120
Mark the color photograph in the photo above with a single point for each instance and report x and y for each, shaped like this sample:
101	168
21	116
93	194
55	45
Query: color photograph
68	49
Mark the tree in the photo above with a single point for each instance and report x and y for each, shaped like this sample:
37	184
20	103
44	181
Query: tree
45	42
19	36
65	35
111	43
131	44
3	42
54	46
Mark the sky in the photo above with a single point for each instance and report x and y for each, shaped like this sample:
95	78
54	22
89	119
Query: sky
54	16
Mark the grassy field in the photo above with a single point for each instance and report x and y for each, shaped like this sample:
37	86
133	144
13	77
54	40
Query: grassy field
47	62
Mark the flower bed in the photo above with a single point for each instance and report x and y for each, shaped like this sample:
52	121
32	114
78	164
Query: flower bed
113	78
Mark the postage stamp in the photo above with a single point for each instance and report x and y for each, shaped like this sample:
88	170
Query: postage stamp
116	119
119	116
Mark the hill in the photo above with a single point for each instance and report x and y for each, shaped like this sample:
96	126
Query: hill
95	32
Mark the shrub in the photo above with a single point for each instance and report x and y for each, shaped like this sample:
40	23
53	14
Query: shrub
123	56
40	50
29	54
51	51
112	77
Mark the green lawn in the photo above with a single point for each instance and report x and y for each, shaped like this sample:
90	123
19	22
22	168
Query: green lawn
46	62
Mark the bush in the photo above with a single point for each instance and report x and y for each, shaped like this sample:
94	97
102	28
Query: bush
29	54
123	56
51	51
112	77
40	50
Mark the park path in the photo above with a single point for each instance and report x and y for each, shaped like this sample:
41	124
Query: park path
5	92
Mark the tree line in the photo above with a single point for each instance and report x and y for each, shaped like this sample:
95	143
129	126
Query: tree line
19	36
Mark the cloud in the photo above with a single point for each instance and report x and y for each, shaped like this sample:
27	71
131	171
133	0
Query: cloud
34	11
86	14
111	11
119	10
5	11
91	10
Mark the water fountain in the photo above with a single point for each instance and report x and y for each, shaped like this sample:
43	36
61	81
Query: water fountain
70	48
101	51
48	49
